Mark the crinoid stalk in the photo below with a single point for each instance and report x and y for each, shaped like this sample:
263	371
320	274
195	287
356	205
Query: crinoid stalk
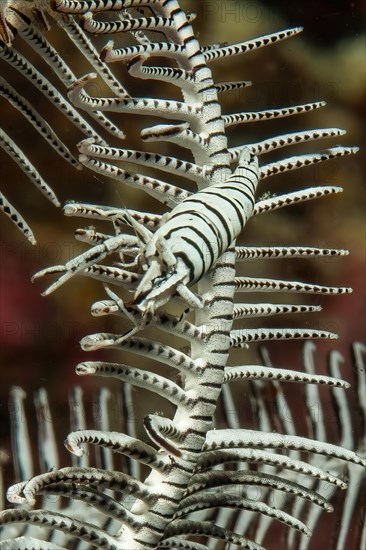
175	273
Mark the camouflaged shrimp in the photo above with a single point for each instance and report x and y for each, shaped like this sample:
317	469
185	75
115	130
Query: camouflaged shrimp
187	243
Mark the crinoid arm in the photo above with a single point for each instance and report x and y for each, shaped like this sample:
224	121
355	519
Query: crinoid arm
175	276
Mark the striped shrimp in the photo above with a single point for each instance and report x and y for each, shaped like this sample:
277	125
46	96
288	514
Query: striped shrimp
194	235
187	243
